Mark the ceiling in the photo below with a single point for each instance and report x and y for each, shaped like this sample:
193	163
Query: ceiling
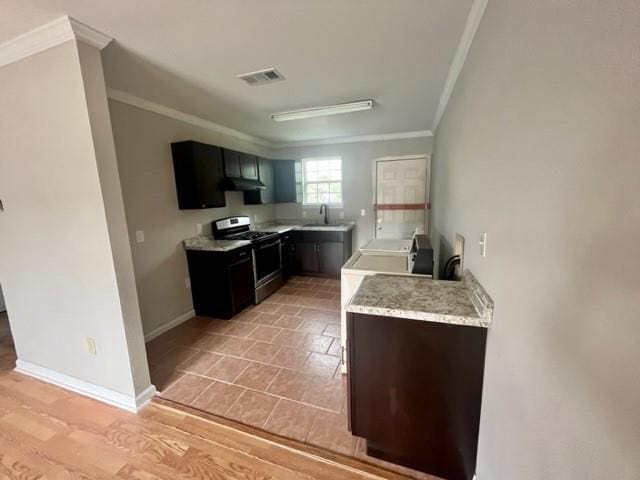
186	55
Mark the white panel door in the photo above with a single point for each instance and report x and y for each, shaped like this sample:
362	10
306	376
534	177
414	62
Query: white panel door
401	197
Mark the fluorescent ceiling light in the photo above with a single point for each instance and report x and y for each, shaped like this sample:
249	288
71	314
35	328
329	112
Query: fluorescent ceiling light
323	111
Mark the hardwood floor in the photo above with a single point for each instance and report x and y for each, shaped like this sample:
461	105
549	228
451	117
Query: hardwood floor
49	433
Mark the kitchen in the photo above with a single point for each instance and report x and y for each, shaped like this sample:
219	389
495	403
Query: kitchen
267	342
319	240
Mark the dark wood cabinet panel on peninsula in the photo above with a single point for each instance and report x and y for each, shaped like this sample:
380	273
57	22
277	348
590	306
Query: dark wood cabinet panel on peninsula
198	172
222	283
321	253
421	408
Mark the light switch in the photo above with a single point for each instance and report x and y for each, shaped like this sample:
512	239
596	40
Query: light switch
363	212
91	346
483	244
140	236
198	229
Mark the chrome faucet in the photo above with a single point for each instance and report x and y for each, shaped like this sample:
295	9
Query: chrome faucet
326	213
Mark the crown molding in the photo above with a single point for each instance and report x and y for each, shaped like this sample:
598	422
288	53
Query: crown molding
356	139
84	33
49	35
129	99
148	105
470	28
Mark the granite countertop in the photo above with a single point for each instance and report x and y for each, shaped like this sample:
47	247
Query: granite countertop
459	303
208	243
282	226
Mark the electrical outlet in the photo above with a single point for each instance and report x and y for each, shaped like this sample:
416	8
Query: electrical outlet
304	214
140	236
91	346
363	212
341	215
187	283
483	244
198	229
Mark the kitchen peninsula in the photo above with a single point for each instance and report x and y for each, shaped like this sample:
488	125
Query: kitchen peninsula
425	340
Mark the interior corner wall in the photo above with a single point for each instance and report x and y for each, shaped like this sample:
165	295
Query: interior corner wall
539	148
357	178
56	259
143	146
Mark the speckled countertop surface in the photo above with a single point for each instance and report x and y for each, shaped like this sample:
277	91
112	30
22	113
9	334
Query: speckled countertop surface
282	226
459	303
208	243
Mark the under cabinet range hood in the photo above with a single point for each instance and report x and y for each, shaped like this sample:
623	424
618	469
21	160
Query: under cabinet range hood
233	184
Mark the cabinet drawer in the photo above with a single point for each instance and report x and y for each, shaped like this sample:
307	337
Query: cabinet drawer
314	236
238	254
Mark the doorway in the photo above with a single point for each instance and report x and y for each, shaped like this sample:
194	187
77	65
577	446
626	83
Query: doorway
401	196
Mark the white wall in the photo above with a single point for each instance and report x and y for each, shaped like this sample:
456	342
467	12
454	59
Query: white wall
59	233
143	145
357	183
539	148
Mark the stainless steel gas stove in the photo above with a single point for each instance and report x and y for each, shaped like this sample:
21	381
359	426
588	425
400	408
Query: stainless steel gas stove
265	251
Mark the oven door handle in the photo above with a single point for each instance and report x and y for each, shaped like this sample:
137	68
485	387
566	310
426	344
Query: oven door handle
262	247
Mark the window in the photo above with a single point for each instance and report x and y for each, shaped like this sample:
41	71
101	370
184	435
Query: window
322	181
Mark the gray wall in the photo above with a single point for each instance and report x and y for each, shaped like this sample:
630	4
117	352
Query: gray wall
59	233
143	145
539	148
357	174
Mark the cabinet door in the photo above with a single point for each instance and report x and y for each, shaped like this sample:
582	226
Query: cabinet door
265	173
232	166
249	166
331	256
198	172
306	257
421	409
284	173
241	281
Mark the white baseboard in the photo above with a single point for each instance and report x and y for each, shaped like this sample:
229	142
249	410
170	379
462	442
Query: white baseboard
156	332
87	389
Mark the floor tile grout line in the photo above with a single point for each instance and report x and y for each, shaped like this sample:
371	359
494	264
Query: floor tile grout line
201	393
271	412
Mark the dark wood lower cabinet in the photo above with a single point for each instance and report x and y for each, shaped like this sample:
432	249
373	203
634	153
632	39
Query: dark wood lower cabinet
321	253
415	391
221	282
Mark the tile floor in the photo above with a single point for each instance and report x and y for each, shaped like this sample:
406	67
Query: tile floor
274	366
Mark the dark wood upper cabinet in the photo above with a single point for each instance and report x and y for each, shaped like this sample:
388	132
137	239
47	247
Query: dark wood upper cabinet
265	175
232	163
249	166
198	172
240	165
286	184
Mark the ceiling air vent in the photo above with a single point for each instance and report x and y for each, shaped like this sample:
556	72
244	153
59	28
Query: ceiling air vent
260	77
